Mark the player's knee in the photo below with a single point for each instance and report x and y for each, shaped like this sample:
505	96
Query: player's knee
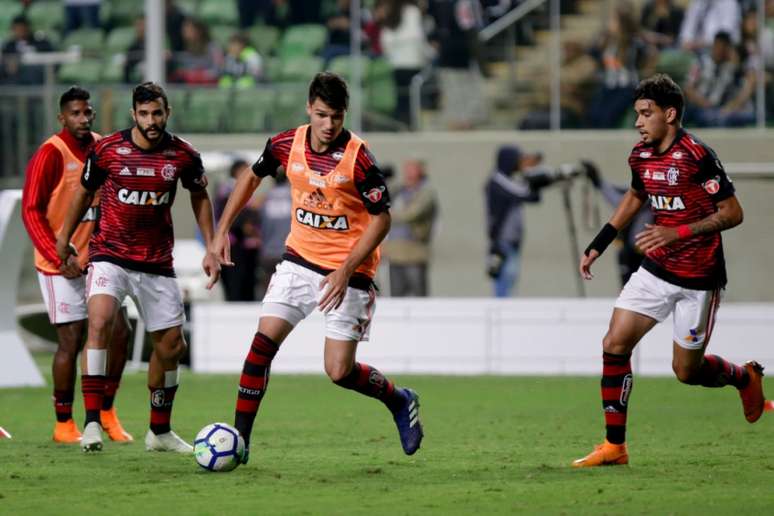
685	373
338	372
612	344
100	326
172	350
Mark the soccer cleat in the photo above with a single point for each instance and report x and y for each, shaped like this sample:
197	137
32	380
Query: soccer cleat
168	441
753	400
113	427
768	406
66	432
605	454
91	440
407	421
245	455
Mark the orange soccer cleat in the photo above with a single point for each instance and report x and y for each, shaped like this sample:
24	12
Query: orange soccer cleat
753	400
112	426
66	432
605	454
768	406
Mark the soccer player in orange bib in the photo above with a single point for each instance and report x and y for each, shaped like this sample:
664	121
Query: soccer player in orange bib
340	216
53	175
683	273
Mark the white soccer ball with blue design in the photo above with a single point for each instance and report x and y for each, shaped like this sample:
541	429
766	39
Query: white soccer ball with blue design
219	447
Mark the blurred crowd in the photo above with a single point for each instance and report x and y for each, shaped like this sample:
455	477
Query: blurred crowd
712	47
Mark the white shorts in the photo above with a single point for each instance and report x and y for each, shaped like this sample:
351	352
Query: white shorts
158	298
694	310
294	292
65	298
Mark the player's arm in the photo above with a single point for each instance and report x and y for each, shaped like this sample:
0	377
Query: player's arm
43	174
629	206
728	212
246	184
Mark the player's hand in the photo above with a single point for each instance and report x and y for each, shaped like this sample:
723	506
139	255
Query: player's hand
211	268
64	248
221	249
70	268
585	264
334	287
654	237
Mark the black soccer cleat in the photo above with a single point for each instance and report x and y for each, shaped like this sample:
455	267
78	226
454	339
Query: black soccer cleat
408	423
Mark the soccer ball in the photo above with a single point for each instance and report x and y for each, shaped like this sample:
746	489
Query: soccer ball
219	447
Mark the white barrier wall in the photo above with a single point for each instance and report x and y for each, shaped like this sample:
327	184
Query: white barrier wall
16	366
475	336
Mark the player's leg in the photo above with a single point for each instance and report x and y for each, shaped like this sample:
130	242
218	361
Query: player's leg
694	320
346	326
66	305
102	312
290	297
163	379
69	341
117	354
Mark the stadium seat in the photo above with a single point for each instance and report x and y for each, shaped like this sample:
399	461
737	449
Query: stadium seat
86	71
305	39
264	38
342	65
178	101
272	69
207	108
8	11
189	7
121	12
250	111
676	63
46	15
289	106
119	39
300	68
113	68
119	101
380	90
218	12
91	41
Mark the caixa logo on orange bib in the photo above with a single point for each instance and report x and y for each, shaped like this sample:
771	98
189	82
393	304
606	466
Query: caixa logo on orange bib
317	221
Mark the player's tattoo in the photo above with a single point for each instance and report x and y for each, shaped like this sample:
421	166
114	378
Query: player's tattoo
715	223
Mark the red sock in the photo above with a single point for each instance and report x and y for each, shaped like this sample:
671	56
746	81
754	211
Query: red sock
93	387
717	372
63	405
253	383
371	382
111	386
616	388
161	399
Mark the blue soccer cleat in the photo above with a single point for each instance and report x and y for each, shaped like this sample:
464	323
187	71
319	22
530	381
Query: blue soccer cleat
407	421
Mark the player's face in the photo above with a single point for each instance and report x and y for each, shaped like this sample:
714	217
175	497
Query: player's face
652	121
151	119
77	116
325	121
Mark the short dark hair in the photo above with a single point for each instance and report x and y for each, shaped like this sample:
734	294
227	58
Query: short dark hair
148	92
662	90
331	89
74	93
20	19
723	37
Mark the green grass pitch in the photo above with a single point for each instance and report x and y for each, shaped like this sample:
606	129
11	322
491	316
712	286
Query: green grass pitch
493	445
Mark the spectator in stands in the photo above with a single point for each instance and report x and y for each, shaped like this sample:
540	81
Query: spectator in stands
705	18
414	210
239	281
338	24
622	54
719	89
243	66
660	22
22	41
201	60
135	54
750	51
81	13
275	213
455	37
403	43
174	19
251	10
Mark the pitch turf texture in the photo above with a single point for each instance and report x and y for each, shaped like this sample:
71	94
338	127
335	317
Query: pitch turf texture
493	445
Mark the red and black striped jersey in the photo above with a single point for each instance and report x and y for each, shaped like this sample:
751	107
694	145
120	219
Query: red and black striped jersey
683	185
138	188
368	178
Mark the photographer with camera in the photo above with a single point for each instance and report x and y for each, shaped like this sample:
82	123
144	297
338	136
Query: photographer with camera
518	177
